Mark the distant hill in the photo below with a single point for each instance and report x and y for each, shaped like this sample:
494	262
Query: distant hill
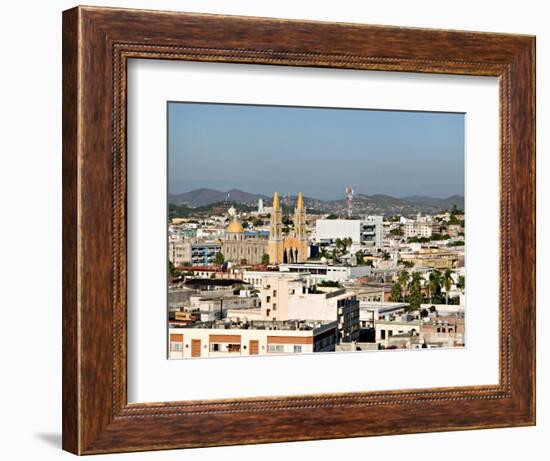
443	203
203	197
362	204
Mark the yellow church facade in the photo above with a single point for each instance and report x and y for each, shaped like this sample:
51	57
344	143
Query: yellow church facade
281	247
290	248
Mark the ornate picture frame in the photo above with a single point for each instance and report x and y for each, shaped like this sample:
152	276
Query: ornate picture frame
97	44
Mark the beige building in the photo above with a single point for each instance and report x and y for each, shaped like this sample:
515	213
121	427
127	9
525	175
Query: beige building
223	339
438	258
237	247
286	297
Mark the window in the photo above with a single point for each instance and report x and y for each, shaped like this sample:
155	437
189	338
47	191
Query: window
297	349
225	347
275	348
274	306
274	293
233	348
382	334
176	347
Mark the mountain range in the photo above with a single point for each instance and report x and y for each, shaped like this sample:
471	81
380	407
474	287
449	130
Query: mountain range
362	203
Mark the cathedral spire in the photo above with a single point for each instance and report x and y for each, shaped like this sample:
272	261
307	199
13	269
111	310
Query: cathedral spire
300	201
276	201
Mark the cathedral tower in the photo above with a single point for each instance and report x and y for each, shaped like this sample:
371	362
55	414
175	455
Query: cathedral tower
275	245
300	229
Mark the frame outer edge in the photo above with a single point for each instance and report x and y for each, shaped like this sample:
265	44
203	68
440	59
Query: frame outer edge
90	422
70	191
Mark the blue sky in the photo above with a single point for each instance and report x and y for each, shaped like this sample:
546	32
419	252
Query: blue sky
318	151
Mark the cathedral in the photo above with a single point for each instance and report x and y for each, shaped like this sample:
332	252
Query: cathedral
237	247
287	248
291	248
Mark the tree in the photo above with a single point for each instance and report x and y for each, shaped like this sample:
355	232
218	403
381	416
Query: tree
434	284
172	271
415	291
360	257
461	284
385	255
219	258
329	283
265	259
396	292
397	231
403	279
447	283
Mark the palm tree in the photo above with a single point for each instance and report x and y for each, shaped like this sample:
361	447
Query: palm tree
396	292
434	284
461	283
415	293
416	280
385	255
447	283
403	279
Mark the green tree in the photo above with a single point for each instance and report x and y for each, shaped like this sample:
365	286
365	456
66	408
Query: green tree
396	292
172	271
265	259
219	258
397	231
360	257
461	284
403	279
447	283
385	255
415	291
434	285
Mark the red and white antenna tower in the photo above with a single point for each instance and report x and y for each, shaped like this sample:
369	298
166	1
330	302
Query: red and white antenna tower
349	193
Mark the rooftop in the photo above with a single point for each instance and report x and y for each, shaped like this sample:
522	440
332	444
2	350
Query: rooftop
286	325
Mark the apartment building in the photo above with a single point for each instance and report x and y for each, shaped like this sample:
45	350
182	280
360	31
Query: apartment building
286	298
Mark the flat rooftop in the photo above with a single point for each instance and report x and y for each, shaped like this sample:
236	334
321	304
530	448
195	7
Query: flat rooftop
286	325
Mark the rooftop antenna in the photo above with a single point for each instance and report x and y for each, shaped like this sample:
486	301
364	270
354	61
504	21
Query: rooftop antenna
349	193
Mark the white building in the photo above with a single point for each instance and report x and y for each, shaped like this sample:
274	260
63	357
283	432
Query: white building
417	229
284	298
368	231
225	338
324	272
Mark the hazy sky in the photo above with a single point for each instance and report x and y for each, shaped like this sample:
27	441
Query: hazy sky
261	149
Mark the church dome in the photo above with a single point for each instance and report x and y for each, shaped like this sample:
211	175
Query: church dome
235	227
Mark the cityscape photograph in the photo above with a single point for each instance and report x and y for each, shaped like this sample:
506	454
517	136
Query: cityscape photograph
306	230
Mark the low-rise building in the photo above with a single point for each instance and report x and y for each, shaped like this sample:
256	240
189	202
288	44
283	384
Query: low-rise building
324	272
223	339
181	252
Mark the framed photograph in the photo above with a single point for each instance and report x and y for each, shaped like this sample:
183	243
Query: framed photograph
281	230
